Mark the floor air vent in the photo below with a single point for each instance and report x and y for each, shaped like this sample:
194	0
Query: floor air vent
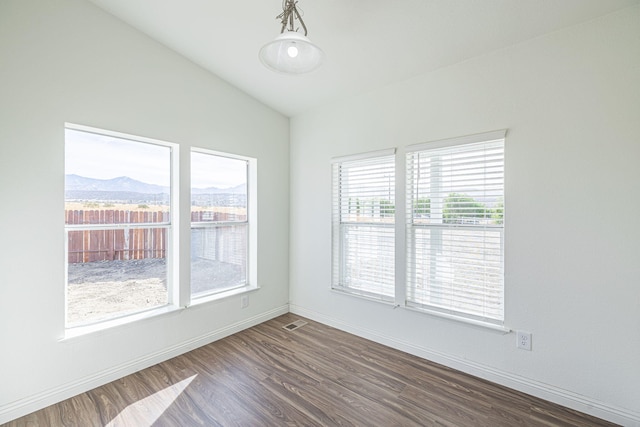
294	325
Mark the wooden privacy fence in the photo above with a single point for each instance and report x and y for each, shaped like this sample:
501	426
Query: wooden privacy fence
129	242
125	243
206	216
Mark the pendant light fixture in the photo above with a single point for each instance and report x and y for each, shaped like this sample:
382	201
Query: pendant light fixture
291	52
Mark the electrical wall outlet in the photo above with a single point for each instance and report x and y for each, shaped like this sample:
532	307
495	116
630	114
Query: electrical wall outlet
244	301
523	340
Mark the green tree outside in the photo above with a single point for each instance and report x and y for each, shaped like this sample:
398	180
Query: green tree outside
422	206
460	208
387	208
497	213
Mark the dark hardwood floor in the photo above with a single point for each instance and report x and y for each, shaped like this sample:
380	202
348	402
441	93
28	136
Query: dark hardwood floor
312	376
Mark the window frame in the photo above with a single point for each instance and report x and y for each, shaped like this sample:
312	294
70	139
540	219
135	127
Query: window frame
172	225
411	227
250	224
178	237
338	226
403	210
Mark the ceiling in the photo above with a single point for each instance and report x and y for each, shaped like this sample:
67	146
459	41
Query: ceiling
367	43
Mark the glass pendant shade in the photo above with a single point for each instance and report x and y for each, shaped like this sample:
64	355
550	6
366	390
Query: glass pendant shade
291	53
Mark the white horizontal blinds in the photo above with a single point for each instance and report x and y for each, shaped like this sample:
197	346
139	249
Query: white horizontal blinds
455	199
363	225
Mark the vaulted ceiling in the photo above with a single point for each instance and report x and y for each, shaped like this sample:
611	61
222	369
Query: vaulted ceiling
367	43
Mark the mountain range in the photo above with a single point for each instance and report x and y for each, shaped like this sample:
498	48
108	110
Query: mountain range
125	184
124	189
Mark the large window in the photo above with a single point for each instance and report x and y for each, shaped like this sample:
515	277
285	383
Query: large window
455	226
118	222
454	209
219	222
126	252
363	225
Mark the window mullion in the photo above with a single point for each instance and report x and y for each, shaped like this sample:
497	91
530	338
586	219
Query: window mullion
180	266
400	234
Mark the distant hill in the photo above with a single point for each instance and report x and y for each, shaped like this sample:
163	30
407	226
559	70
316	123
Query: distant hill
238	189
128	190
121	183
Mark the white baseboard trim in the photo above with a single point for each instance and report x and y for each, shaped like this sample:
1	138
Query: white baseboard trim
41	400
544	391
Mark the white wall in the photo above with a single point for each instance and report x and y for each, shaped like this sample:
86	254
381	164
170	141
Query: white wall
68	61
571	103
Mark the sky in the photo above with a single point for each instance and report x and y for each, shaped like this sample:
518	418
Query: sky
104	157
230	172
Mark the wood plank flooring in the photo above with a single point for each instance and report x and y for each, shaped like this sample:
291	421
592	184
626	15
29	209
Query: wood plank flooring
312	376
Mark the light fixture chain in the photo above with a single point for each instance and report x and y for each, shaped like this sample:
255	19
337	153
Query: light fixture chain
295	10
289	14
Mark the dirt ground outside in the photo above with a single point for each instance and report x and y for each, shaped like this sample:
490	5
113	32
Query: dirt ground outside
104	289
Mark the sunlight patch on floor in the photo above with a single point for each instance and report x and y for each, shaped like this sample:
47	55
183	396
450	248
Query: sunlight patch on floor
148	410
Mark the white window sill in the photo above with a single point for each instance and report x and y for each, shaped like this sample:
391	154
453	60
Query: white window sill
83	330
457	318
364	296
222	295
